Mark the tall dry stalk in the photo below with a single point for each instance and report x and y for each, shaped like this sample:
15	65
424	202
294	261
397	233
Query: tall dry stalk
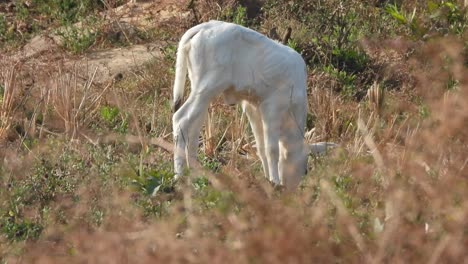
73	102
8	99
209	140
376	97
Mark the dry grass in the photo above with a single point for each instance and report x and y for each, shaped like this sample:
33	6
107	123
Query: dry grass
9	98
73	101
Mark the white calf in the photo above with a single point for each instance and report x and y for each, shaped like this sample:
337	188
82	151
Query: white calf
266	76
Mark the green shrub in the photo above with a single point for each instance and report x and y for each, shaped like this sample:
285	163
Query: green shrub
237	15
437	17
109	114
152	181
78	39
349	60
47	182
67	11
211	198
346	80
113	118
18	229
3	30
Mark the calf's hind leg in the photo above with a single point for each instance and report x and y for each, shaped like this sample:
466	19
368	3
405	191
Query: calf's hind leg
256	124
187	123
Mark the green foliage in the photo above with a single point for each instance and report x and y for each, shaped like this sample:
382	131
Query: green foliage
152	207
349	60
109	114
452	83
35	15
210	198
22	12
79	38
113	119
5	33
440	17
240	16
96	215
448	14
237	15
16	228
342	186
170	53
152	181
327	36
424	111
210	163
347	80
67	11
2	92
47	182
408	20
200	183
151	184
293	45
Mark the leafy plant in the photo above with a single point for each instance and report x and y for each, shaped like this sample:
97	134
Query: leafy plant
112	117
5	32
442	17
67	11
345	79
16	228
47	181
293	45
237	15
151	182
211	163
210	198
448	14
200	183
79	38
403	18
349	60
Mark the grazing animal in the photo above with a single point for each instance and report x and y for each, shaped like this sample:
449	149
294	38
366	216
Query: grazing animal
268	78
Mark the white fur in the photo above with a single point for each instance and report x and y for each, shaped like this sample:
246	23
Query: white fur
268	78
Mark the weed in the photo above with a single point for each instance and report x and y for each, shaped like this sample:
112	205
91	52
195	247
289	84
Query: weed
114	119
405	19
17	229
441	17
237	16
150	182
210	163
78	39
169	52
210	198
67	11
351	61
109	114
200	183
424	111
345	79
293	44
6	32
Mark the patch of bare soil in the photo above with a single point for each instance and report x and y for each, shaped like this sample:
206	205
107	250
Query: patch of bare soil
46	50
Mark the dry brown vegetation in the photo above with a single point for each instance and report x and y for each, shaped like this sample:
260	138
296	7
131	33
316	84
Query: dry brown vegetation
85	166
